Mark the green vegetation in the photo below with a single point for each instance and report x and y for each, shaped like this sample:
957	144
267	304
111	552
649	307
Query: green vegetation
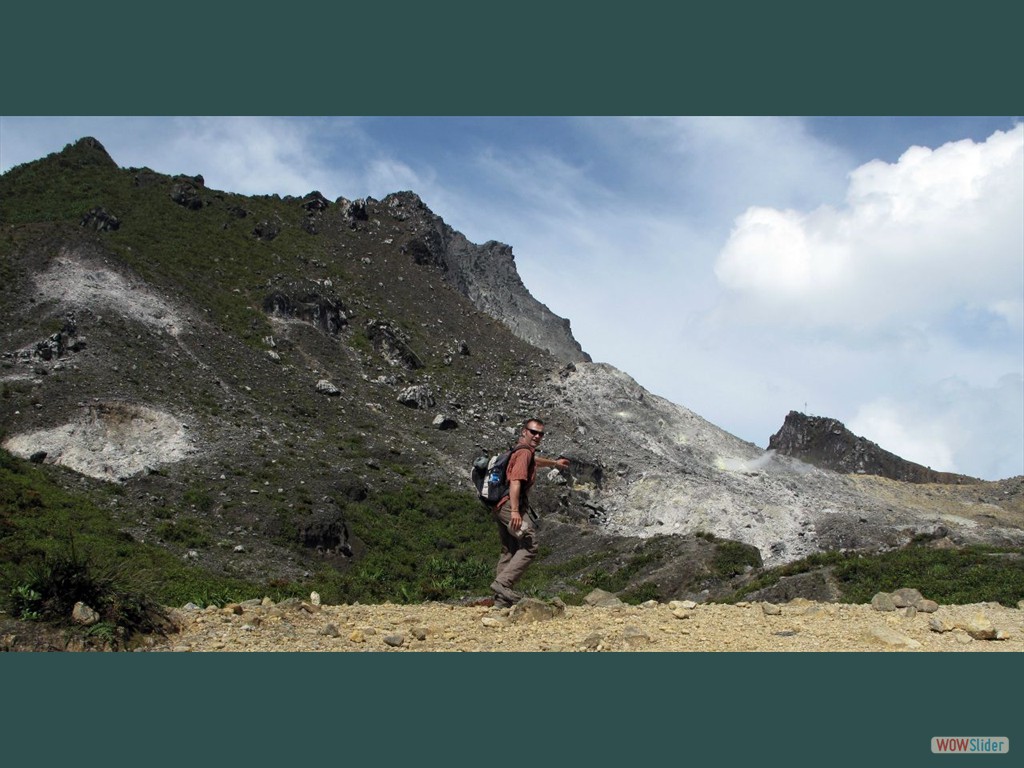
422	543
733	558
970	575
210	252
57	548
417	543
54	584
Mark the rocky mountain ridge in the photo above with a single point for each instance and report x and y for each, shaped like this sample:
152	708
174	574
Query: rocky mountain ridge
252	365
827	443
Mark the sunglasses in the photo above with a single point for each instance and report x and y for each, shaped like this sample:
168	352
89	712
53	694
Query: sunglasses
537	432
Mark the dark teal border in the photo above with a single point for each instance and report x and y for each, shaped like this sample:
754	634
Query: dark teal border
468	57
530	58
465	709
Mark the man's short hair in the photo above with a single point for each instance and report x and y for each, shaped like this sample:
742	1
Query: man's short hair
528	422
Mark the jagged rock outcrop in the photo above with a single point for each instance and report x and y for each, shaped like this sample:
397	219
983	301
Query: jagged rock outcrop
417	396
314	303
392	344
100	220
486	274
185	192
86	151
828	444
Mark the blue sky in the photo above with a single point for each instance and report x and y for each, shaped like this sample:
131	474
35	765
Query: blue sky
870	269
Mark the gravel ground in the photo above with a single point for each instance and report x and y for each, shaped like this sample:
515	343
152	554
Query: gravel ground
800	625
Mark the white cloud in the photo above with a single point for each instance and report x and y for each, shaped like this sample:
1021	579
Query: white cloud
951	425
916	239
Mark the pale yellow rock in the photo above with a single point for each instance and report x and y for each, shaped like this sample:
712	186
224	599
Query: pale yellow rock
893	638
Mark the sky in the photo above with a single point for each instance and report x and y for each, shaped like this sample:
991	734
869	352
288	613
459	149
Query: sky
867	269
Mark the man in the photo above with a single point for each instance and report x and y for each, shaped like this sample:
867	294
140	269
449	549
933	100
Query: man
516	528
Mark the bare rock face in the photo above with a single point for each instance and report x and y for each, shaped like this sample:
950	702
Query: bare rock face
828	444
486	274
391	343
110	441
664	470
310	302
100	220
186	192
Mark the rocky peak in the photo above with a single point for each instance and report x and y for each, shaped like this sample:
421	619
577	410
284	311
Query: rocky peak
86	151
827	443
486	275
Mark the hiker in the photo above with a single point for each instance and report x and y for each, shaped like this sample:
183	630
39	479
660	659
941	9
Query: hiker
517	526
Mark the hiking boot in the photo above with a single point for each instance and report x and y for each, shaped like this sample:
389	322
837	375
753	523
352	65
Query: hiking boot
503	595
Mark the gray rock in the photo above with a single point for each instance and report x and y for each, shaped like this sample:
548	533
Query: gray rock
395	641
601	599
84	615
417	396
687	605
902	598
99	220
883	602
529	610
392	344
325	387
444	422
635	637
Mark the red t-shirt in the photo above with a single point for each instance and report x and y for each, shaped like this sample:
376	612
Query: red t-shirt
520	467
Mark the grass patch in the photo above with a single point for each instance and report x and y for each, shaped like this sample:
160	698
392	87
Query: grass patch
57	548
948	576
421	544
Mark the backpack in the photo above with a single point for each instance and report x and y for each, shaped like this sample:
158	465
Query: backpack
489	475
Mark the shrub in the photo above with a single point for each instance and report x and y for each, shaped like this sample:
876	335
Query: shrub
732	558
973	574
53	585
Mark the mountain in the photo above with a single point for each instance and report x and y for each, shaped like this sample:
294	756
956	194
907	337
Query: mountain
278	388
827	443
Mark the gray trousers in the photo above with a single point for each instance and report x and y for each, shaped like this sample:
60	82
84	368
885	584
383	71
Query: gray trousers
516	552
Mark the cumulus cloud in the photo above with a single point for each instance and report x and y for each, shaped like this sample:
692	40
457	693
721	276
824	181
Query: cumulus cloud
935	231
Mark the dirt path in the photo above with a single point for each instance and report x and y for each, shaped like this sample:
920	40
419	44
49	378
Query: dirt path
434	627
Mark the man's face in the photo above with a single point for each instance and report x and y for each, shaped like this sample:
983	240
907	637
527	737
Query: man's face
533	433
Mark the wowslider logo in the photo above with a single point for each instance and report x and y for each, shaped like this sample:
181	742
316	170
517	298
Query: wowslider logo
971	745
